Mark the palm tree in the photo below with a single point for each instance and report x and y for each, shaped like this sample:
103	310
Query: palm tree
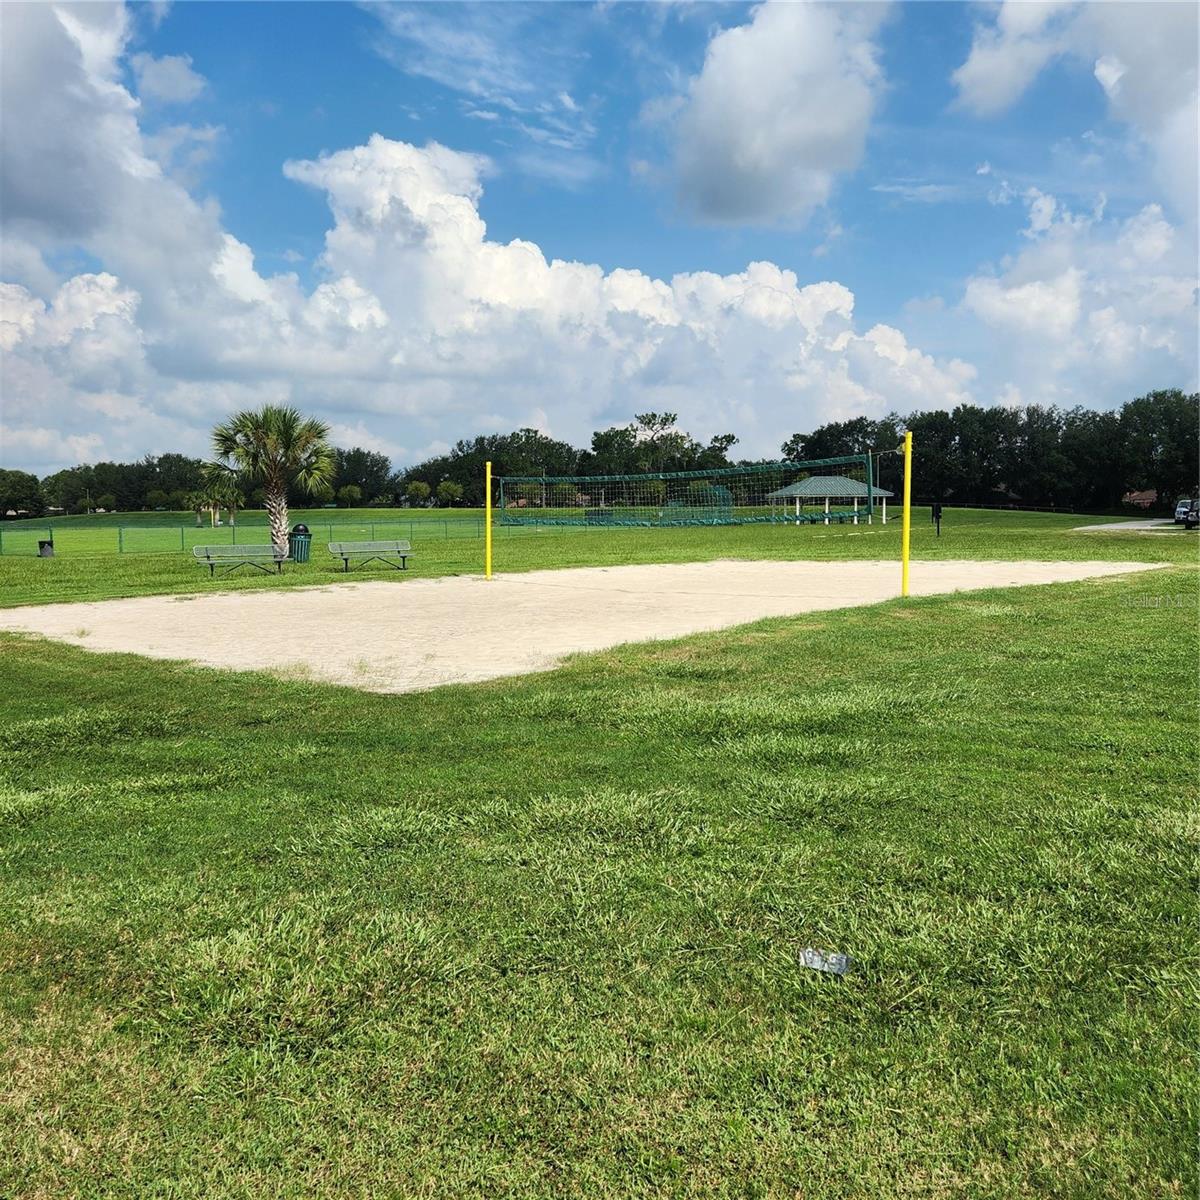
199	502
278	448
225	487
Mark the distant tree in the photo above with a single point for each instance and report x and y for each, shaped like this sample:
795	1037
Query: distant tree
652	491
157	498
1161	452
69	489
20	492
449	492
418	492
934	466
178	500
856	436
126	483
201	502
662	446
981	462
279	448
655	433
523	452
1037	471
107	501
224	488
716	453
177	472
367	470
349	495
613	452
1094	458
795	449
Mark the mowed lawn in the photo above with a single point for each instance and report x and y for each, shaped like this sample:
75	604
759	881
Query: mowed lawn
541	937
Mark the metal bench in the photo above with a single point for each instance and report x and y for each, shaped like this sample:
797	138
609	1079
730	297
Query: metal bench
384	552
232	557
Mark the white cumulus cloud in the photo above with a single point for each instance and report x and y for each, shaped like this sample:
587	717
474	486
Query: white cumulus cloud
779	111
169	79
1142	55
1090	303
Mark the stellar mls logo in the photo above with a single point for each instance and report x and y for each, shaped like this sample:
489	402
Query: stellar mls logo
1170	600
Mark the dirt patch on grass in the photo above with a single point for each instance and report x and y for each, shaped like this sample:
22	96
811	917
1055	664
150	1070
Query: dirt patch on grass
420	633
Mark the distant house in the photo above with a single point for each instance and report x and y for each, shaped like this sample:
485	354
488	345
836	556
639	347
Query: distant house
1146	499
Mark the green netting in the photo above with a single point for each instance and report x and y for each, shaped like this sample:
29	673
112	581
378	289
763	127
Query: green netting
823	490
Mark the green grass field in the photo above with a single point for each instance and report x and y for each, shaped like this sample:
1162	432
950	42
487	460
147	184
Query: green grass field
540	937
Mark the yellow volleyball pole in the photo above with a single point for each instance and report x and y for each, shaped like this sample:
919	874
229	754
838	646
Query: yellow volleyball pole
487	521
906	522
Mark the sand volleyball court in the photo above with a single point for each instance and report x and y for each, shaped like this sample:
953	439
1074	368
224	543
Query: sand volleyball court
409	634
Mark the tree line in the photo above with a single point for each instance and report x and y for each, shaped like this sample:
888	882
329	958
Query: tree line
178	483
1034	456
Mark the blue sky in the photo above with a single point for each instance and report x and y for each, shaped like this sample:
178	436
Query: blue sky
331	75
951	203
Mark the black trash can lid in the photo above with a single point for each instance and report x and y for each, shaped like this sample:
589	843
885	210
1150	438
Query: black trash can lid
299	528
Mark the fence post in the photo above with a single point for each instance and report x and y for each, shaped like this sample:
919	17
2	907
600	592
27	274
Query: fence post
181	537
120	539
372	531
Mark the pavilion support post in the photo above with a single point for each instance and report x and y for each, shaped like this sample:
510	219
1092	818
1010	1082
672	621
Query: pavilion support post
856	510
826	510
884	499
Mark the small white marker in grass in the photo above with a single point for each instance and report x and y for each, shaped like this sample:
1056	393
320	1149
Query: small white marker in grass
831	964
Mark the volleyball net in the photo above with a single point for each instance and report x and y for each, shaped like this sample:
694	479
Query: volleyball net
828	490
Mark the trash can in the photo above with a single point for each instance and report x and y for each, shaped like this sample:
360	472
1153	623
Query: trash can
300	543
45	548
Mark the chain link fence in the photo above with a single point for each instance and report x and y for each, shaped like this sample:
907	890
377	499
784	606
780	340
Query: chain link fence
176	539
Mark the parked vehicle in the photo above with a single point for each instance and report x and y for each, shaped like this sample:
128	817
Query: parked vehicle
1181	510
1192	520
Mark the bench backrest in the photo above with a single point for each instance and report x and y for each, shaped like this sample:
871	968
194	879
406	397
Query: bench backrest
210	552
341	549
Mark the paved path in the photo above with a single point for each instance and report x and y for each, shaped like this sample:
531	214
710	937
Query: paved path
1141	525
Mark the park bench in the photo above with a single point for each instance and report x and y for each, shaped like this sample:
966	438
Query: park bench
385	552
232	557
